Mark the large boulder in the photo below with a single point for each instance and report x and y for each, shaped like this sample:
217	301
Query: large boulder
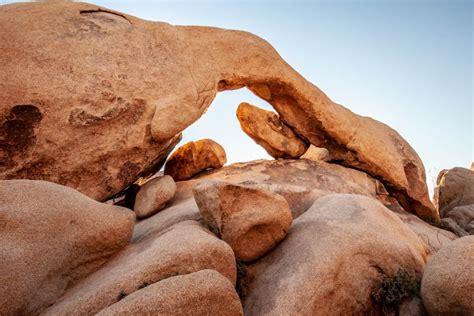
180	249
267	130
155	80
154	195
337	259
193	158
205	292
251	220
52	236
454	198
300	182
447	287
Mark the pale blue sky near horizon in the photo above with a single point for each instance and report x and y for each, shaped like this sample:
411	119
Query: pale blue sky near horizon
408	64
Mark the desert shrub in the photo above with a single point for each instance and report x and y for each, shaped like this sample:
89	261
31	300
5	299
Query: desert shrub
394	289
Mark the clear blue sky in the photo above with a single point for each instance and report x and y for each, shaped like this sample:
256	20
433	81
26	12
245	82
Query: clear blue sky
406	63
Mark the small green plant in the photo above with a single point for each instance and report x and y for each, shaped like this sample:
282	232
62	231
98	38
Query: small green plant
394	289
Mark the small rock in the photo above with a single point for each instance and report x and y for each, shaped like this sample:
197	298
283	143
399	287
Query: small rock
194	157
316	154
447	287
267	130
205	292
251	220
154	195
52	236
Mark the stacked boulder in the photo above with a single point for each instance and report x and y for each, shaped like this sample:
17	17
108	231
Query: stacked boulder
454	198
287	236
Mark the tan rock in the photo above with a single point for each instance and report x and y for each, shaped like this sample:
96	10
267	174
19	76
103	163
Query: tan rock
448	281
50	237
205	292
299	181
334	256
181	249
267	130
127	111
193	158
454	198
251	220
316	154
154	195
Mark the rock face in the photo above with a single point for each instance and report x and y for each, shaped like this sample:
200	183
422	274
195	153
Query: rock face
309	273
448	281
154	195
180	249
205	292
267	130
252	221
133	106
454	198
316	154
194	157
51	236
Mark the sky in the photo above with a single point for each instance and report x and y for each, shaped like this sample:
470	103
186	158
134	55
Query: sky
408	64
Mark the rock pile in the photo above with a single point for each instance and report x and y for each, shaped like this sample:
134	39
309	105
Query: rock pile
454	198
339	223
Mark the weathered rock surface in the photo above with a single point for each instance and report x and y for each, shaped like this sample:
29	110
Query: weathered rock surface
448	281
50	237
193	158
454	198
133	106
181	249
332	259
204	292
267	130
251	220
154	195
316	154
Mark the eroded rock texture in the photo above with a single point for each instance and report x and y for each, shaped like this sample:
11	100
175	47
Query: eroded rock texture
129	86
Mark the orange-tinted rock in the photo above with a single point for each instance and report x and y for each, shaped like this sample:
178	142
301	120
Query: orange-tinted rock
448	281
50	237
193	158
154	195
127	111
180	249
205	292
251	220
267	130
334	256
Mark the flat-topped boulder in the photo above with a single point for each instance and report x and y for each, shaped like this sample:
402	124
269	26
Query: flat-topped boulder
193	158
267	130
128	112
